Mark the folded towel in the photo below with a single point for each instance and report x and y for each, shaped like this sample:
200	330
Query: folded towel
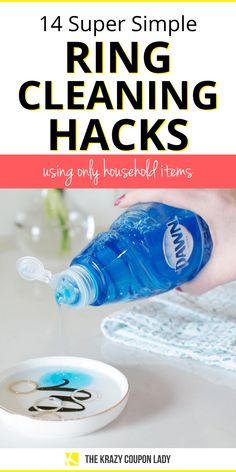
176	324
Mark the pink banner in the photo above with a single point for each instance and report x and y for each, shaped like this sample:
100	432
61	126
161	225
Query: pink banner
117	171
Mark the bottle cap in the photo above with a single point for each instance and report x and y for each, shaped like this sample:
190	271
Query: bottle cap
75	286
31	268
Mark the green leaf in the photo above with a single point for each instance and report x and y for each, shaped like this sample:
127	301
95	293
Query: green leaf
55	209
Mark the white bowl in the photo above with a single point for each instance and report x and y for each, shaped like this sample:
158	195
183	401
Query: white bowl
61	396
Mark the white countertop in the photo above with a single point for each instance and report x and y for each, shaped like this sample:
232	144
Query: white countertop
173	403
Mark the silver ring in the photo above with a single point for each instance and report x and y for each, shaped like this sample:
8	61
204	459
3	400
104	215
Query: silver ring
94	396
32	383
53	409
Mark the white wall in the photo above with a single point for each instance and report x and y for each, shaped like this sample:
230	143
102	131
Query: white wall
99	203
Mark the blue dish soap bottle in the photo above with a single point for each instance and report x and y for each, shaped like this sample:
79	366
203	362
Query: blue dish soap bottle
150	249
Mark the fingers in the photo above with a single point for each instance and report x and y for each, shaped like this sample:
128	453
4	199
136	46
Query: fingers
189	199
146	195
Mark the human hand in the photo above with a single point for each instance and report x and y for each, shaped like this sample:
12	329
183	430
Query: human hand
218	208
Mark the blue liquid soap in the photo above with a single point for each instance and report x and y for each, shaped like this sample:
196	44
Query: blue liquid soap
75	379
150	249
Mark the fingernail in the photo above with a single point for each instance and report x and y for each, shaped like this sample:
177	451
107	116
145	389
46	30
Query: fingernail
117	202
179	289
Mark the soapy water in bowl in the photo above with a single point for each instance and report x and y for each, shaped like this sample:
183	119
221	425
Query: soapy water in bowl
76	379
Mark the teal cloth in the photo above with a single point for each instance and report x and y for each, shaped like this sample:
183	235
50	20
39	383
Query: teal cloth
176	324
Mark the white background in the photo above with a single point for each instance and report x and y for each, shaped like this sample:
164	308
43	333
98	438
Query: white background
190	405
98	202
28	53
